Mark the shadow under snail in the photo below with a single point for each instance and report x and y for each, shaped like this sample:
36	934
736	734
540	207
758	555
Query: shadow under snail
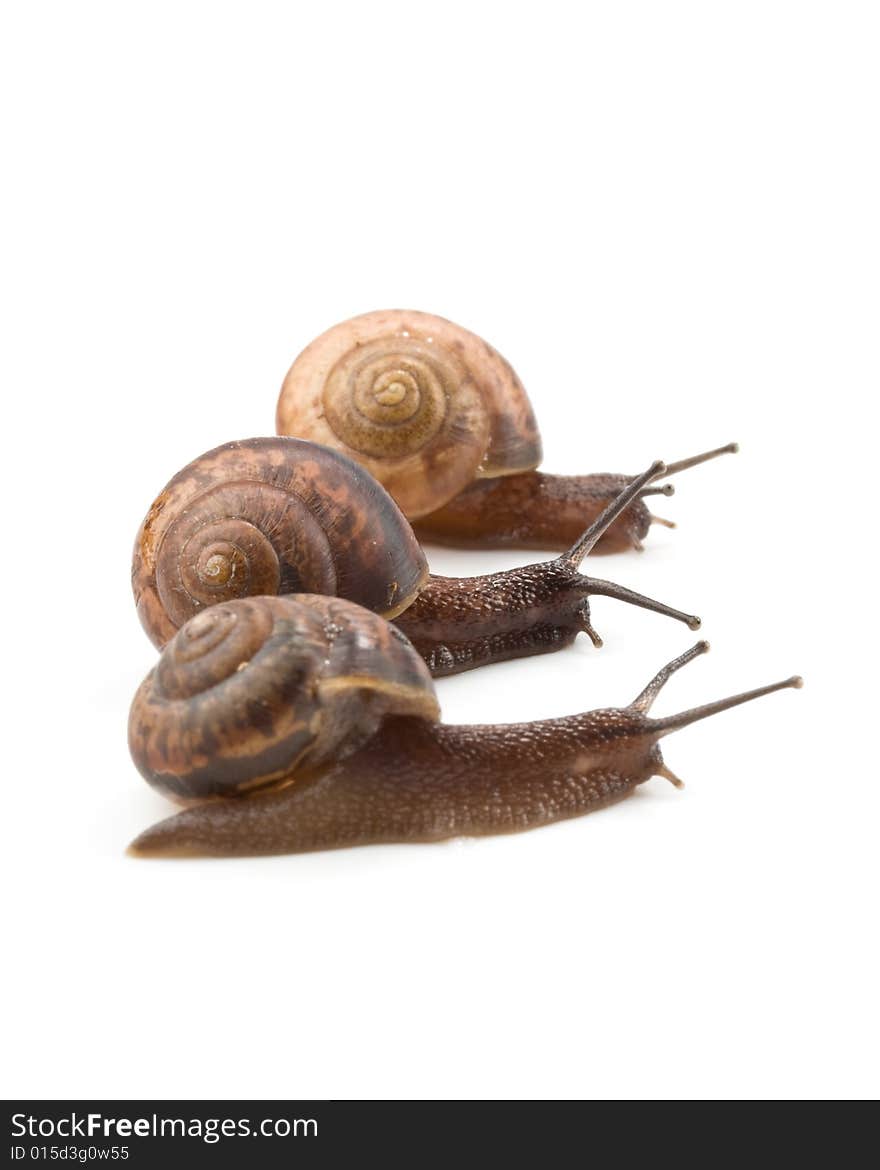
442	421
301	723
278	516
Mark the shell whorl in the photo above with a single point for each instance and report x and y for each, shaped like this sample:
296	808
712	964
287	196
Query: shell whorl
258	692
425	405
271	516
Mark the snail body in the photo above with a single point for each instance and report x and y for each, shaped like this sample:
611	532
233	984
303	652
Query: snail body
277	516
441	419
409	779
534	510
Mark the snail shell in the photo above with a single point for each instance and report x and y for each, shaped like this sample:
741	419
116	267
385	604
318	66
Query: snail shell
271	516
250	692
425	405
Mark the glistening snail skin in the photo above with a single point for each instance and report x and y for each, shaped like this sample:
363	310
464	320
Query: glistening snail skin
279	516
535	510
364	760
441	419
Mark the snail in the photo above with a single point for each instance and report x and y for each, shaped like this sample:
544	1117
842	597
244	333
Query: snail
277	516
300	723
440	418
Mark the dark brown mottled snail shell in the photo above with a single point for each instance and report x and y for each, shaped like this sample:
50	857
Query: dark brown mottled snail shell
249	691
266	516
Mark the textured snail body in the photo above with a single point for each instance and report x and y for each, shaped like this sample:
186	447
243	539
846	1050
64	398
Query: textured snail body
534	510
459	623
416	780
271	516
441	419
417	783
281	516
249	692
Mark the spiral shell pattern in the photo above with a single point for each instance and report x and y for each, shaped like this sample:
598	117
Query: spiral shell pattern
271	516
256	693
425	405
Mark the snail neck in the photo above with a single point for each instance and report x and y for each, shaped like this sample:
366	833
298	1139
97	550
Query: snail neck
459	623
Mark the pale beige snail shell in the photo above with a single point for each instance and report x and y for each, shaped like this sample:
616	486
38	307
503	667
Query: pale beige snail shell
425	405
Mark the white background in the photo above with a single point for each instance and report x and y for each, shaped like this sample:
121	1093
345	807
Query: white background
666	217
